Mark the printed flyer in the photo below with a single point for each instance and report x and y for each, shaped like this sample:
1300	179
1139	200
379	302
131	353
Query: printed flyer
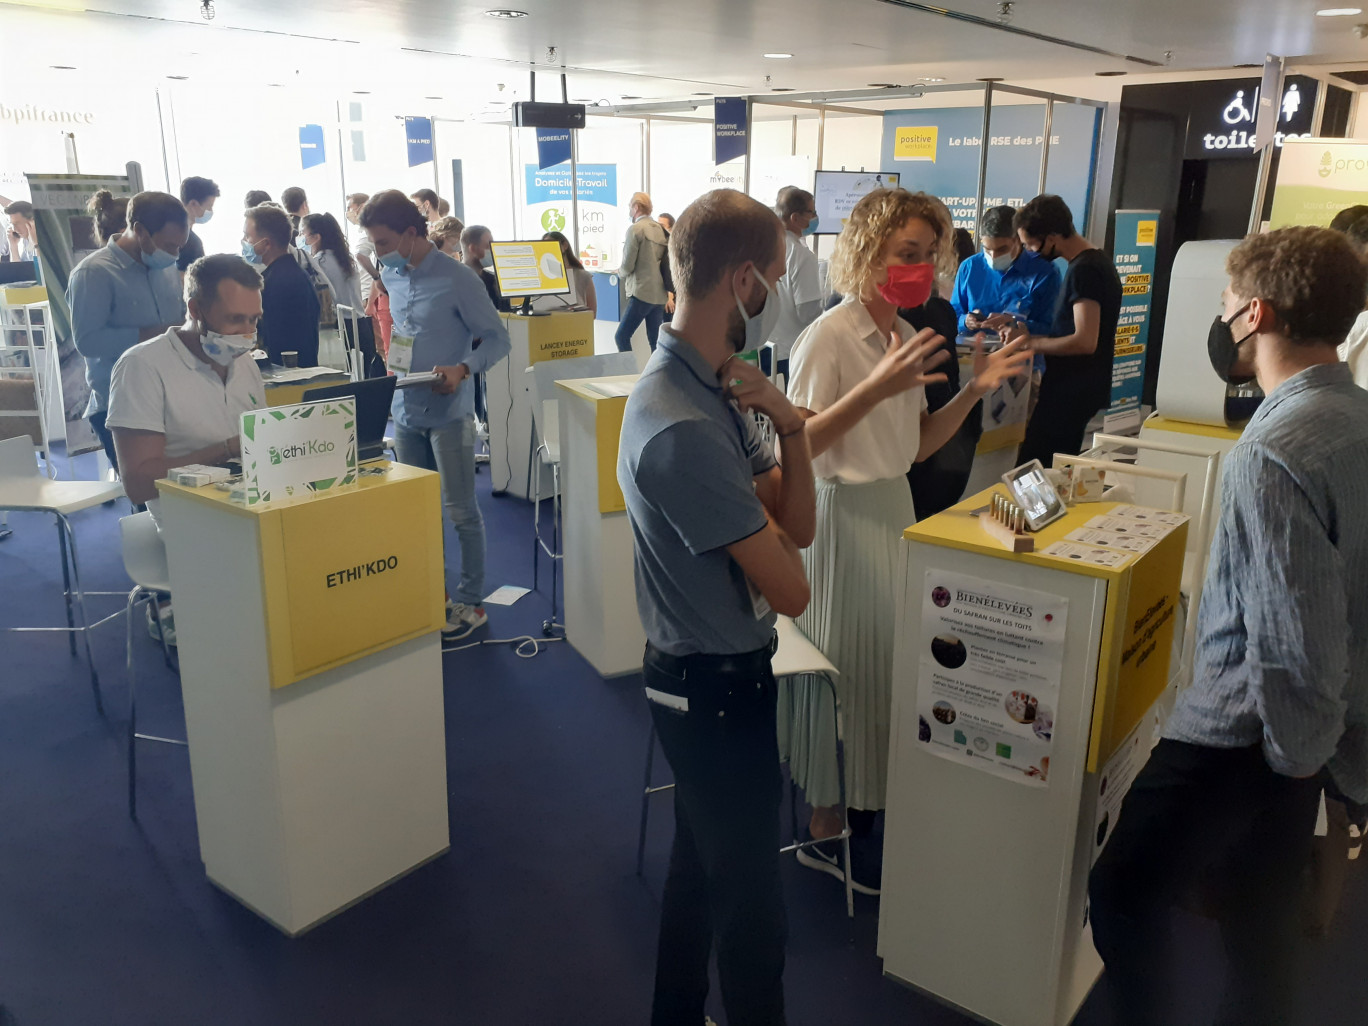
990	667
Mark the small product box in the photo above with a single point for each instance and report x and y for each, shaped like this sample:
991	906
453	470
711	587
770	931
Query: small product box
197	475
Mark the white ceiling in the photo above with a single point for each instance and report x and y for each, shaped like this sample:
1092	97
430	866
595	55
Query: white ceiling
657	49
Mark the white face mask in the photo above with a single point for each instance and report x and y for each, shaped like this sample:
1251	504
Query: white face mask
760	325
1000	262
224	349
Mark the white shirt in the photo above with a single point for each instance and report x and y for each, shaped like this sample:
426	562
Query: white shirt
364	247
346	289
830	358
801	284
161	386
1354	350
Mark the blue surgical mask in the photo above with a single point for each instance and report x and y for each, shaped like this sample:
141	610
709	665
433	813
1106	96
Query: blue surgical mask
300	243
487	260
158	260
1001	262
205	217
760	325
811	226
249	253
395	260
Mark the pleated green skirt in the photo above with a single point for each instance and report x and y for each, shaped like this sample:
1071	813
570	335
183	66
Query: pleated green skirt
851	566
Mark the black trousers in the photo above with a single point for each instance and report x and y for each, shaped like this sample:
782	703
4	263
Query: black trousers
1218	821
106	437
723	884
1058	424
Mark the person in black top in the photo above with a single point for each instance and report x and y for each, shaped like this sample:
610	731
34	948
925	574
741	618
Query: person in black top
1079	349
476	241
938	482
289	301
198	195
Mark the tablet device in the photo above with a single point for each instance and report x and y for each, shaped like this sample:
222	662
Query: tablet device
1033	492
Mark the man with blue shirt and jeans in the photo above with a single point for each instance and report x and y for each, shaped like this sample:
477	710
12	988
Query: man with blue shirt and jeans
439	307
126	293
1278	707
717	527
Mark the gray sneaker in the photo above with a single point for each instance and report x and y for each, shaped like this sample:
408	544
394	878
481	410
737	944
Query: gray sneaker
462	621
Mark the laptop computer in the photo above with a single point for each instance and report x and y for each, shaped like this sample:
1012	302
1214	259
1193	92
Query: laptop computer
13	272
373	398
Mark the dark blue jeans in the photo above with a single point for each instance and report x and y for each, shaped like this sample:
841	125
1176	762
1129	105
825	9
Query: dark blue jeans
636	312
723	890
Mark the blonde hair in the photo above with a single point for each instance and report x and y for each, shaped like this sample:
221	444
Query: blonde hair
642	200
857	261
445	228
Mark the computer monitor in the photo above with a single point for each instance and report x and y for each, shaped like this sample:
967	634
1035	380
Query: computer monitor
12	272
835	194
373	398
530	269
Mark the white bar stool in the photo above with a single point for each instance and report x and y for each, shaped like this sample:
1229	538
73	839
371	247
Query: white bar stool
24	488
144	557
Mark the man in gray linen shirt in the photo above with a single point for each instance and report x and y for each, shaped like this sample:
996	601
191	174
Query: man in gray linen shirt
717	527
1278	708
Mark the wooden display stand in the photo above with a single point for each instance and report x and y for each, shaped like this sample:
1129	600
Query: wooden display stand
508	393
312	675
601	619
984	898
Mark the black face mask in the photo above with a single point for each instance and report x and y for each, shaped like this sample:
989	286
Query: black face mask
1223	349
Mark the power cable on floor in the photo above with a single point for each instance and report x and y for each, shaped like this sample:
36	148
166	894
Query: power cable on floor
527	647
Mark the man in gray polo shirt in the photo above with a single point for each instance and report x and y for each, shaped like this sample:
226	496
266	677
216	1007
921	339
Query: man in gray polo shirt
717	527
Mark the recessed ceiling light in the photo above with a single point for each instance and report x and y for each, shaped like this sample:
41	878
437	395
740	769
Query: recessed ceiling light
626	97
276	85
776	56
781	89
432	97
1338	12
930	78
882	85
178	78
360	92
702	94
504	13
1108	74
61	67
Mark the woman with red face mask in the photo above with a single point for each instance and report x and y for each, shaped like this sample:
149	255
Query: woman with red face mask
859	374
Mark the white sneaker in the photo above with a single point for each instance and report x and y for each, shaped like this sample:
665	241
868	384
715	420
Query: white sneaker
463	620
167	624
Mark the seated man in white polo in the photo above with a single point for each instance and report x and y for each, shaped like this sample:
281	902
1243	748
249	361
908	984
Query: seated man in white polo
179	398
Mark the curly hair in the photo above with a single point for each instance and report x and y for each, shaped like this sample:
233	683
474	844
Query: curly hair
857	261
1313	278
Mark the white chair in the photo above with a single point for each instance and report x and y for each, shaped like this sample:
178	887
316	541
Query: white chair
144	558
794	656
545	444
23	488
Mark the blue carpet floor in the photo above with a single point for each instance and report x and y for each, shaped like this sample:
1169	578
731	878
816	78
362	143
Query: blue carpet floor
535	916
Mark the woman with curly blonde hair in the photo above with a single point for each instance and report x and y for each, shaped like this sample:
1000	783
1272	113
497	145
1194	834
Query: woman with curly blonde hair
859	373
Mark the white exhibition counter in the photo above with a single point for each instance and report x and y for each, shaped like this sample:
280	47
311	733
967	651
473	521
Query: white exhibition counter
311	669
1023	685
601	619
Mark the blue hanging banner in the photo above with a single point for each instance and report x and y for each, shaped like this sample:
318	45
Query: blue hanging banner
1137	235
311	152
731	128
553	147
418	133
